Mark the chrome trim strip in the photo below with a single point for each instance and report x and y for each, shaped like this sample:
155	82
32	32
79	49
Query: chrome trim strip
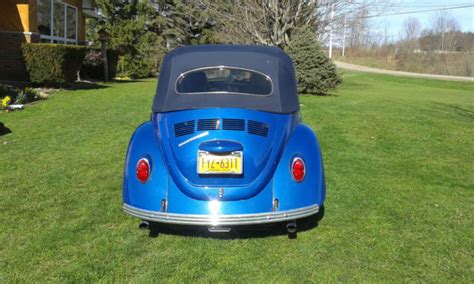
218	220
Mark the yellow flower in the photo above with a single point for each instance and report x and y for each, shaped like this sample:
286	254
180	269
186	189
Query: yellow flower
6	100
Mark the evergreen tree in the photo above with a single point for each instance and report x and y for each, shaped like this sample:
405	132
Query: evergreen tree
143	31
315	72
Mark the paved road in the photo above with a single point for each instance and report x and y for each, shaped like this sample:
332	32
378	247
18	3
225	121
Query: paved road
400	73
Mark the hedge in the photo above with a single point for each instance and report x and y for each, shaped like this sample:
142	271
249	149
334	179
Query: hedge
52	64
93	65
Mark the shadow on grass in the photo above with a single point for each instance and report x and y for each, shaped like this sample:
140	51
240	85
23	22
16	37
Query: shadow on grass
94	85
85	85
237	232
4	130
348	84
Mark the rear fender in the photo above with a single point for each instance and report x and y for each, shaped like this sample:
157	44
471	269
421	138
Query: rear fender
148	195
312	190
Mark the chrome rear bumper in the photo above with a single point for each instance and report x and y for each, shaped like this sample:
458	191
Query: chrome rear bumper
221	220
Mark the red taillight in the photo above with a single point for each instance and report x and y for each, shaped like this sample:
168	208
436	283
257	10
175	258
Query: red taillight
298	169
143	170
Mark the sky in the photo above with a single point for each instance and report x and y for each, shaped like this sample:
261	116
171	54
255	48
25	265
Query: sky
394	23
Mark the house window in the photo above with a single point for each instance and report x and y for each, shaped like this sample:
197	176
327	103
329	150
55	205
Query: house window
71	23
44	17
57	22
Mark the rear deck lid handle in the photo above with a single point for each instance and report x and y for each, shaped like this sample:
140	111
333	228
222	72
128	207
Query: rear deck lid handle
220	146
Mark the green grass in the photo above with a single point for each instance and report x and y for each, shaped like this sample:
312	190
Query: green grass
398	157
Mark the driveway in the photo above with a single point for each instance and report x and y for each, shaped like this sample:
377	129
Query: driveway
360	68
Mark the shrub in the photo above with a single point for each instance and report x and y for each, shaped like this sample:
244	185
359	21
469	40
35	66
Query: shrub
17	95
52	64
134	67
27	95
315	72
144	60
93	65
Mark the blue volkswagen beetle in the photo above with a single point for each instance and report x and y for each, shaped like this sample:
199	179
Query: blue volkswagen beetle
225	145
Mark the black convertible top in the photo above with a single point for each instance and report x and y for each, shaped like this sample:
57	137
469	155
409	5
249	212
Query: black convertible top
270	61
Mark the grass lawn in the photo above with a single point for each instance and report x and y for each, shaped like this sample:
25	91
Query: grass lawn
400	176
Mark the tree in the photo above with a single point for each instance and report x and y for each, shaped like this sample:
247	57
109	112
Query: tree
185	22
267	22
282	17
144	31
411	28
132	29
445	26
411	33
359	30
315	72
272	22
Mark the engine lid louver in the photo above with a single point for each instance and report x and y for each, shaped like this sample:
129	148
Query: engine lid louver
257	128
233	124
209	124
184	128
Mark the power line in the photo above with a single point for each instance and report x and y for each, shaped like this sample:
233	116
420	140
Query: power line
423	6
414	12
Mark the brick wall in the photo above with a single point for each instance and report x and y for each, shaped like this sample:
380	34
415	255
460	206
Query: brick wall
12	66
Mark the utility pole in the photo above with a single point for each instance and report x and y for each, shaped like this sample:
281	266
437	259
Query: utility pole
104	37
344	37
331	30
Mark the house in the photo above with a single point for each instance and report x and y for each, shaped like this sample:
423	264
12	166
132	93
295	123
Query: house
46	21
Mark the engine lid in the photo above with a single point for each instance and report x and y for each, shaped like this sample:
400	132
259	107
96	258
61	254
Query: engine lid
259	137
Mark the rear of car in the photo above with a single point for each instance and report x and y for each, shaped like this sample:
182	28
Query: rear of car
225	145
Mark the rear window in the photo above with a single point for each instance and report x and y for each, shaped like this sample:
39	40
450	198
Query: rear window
224	80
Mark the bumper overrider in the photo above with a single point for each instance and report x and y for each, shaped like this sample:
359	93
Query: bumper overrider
221	220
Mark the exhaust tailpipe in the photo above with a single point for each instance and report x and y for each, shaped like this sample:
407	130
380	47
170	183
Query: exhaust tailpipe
144	225
291	227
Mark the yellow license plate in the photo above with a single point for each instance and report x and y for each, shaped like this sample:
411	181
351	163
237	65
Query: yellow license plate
208	163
